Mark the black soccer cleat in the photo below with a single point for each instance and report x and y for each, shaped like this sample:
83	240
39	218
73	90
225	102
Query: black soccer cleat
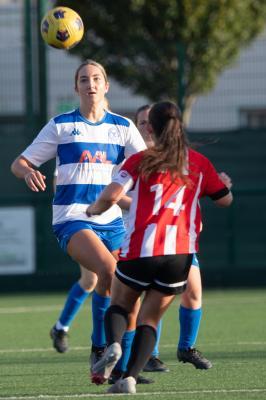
154	364
60	339
194	357
116	375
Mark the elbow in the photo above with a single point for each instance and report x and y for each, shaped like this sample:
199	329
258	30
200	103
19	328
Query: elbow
230	201
13	168
112	200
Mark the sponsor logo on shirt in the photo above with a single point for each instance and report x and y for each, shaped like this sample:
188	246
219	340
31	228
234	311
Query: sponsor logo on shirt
99	156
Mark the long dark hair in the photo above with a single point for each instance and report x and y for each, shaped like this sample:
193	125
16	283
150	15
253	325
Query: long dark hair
170	149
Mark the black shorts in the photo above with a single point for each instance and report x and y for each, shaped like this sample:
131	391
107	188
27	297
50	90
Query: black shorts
167	274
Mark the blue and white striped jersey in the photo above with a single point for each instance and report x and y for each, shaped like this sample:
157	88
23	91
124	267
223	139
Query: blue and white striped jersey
86	155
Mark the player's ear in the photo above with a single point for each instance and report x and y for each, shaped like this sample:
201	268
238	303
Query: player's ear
107	87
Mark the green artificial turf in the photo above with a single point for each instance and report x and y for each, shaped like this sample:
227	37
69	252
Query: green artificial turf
232	336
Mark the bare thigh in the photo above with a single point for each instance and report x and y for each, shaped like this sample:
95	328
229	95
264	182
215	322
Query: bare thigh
87	249
151	310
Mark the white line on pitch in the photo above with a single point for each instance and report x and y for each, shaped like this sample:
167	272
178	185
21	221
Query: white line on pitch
81	348
141	394
38	309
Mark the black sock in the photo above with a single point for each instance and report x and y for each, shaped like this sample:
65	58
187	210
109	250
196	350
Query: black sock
115	324
142	346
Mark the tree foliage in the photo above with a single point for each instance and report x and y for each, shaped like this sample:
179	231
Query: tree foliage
162	48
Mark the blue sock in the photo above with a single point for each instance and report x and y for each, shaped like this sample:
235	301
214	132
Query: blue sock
76	297
126	350
189	327
155	352
99	306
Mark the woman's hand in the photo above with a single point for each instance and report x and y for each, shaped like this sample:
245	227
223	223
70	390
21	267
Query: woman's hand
226	179
90	211
109	196
24	169
35	180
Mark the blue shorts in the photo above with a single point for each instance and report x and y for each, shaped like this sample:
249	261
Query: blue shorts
195	261
111	234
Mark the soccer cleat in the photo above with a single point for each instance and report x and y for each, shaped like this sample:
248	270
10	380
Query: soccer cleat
116	375
101	371
194	357
125	385
59	338
141	380
96	355
154	364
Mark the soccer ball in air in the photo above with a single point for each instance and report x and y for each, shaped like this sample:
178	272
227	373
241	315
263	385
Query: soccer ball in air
62	28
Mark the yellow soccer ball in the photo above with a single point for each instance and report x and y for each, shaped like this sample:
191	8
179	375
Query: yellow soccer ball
62	28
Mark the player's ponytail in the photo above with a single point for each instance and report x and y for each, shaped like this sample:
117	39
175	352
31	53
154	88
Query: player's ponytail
170	149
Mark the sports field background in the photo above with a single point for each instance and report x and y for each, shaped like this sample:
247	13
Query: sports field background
232	336
232	253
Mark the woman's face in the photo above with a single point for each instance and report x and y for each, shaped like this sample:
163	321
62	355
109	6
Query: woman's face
91	85
144	127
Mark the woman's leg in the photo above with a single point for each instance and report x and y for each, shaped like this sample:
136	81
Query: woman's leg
76	297
126	343
190	316
86	248
154	363
124	302
190	310
154	305
88	279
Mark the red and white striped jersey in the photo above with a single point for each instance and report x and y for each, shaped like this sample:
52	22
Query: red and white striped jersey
165	217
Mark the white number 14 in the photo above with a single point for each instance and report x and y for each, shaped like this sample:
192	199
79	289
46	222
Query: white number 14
174	202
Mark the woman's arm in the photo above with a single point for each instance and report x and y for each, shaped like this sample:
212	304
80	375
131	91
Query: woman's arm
109	196
226	200
24	169
125	202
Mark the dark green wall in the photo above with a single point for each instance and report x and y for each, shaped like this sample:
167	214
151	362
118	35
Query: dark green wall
233	250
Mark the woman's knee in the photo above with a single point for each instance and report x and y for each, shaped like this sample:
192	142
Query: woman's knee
192	298
88	279
104	281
